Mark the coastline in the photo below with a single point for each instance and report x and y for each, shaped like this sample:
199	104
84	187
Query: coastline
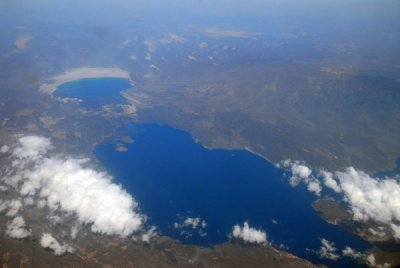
52	83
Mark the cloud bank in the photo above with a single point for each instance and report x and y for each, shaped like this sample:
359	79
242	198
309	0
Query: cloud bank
66	184
369	198
249	234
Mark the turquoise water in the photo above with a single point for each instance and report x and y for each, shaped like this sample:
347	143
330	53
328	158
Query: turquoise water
172	177
95	92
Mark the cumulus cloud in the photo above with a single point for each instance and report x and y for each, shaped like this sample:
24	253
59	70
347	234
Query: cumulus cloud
314	186
172	38
4	149
349	252
191	57
68	185
3	205
396	230
13	207
249	234
203	45
369	259
328	250
29	201
151	45
302	173
3	188
378	233
193	223
17	228
376	199
330	182
146	237
74	231
371	198
371	262
148	57
48	241
32	147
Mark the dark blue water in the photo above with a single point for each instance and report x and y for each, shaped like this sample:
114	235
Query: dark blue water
95	92
169	174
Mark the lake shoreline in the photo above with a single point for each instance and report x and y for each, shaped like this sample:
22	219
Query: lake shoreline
69	75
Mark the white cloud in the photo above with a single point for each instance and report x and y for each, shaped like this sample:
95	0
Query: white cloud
155	67
3	205
132	57
370	198
41	203
203	45
66	184
302	173
349	252
396	230
48	241
369	259
3	188
194	222
4	149
74	231
249	234
151	45
29	201
377	233
13	207
172	38
191	57
148	57
32	147
124	43
146	237
314	186
371	262
328	250
330	182
17	228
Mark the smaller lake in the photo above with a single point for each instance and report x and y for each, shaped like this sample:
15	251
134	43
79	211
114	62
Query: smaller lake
173	178
95	92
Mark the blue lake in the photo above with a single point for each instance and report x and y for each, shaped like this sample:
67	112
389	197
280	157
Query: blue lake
94	92
173	177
